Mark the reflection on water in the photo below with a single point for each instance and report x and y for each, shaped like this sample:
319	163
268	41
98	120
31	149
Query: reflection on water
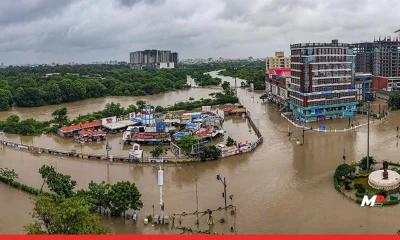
279	188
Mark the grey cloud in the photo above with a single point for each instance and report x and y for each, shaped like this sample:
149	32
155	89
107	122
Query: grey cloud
130	3
13	12
98	30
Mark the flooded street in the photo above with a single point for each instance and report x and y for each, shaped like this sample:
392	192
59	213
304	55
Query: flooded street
280	187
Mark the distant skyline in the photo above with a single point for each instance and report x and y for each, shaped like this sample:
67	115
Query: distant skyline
46	31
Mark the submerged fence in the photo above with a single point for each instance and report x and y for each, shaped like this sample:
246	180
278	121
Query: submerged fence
330	130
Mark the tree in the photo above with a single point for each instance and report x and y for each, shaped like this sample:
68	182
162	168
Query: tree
140	104
9	174
230	142
394	100
344	170
124	196
6	99
159	109
226	86
211	152
51	93
64	216
60	114
113	109
61	184
13	119
363	162
186	142
45	171
99	193
132	109
158	150
29	97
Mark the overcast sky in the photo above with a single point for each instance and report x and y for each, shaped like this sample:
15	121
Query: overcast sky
45	31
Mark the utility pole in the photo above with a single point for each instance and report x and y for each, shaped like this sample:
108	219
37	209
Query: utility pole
108	149
161	183
368	137
224	183
197	203
396	136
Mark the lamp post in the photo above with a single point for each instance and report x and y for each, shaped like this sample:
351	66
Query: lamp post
396	135
368	136
108	149
224	183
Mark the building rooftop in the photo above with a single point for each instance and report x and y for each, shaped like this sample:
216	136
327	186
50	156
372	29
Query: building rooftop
334	43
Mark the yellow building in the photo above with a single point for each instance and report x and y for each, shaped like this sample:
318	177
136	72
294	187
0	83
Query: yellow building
279	61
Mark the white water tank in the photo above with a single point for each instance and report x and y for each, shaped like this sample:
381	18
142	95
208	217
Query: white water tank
160	177
146	221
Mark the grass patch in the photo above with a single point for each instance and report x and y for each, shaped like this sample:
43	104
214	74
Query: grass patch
364	182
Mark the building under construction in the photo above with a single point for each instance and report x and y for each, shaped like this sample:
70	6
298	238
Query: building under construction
380	57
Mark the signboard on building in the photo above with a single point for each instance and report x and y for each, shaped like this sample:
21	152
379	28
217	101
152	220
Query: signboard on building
109	120
132	115
348	114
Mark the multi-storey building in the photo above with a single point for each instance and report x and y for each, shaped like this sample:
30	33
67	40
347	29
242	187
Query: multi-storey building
322	81
277	83
279	61
153	59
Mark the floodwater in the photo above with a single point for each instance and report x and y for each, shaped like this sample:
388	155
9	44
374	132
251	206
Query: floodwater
280	187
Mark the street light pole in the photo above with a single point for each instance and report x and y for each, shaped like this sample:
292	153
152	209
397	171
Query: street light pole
197	203
396	136
368	137
224	183
108	149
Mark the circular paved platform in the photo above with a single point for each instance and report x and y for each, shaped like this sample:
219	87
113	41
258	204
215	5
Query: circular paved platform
375	180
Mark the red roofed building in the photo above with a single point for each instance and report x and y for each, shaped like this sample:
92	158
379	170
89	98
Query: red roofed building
69	131
277	82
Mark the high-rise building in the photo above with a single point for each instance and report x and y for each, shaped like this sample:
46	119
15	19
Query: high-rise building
279	61
152	58
380	57
322	84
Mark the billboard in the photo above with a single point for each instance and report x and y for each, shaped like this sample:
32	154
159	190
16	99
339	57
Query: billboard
348	114
109	120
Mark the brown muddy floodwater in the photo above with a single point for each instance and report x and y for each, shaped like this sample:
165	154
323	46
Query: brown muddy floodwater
280	187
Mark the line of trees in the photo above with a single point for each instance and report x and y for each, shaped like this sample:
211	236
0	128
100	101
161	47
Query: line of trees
252	72
205	79
27	87
32	127
64	211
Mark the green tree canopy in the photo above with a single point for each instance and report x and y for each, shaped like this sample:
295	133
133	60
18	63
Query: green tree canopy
363	163
64	216
45	171
61	184
186	142
8	174
124	196
394	100
344	170
211	152
60	114
158	150
6	99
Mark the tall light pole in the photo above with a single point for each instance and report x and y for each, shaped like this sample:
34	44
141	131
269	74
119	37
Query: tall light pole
108	149
161	183
197	203
224	183
368	136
